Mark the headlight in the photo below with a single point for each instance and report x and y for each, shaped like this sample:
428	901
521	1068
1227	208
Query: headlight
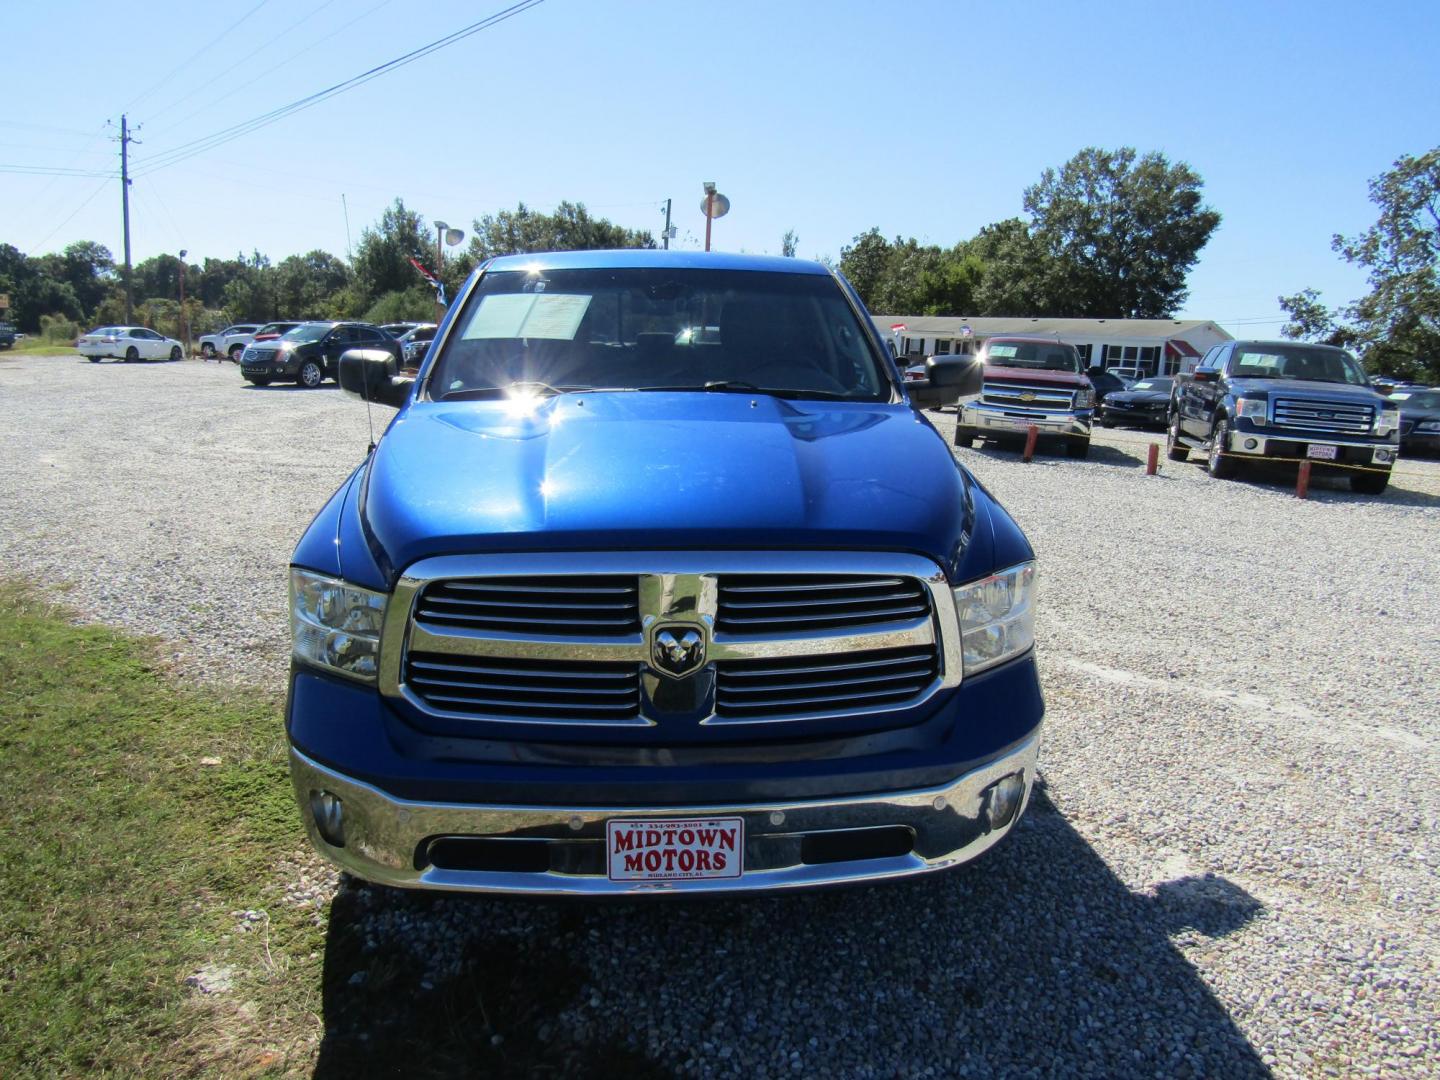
997	617
1428	425
1084	398
335	625
1251	408
1386	421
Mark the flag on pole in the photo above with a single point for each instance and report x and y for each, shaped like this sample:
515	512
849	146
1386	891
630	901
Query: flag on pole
434	282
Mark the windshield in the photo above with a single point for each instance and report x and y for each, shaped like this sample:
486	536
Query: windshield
1043	356
306	332
1421	400
1158	385
793	335
1296	362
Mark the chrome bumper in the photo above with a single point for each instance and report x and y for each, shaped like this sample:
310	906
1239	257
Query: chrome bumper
384	836
995	418
1379	454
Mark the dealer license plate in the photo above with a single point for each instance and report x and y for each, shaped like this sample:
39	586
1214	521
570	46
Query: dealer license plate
1322	451
672	850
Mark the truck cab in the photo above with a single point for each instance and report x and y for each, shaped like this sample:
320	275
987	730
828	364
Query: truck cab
1285	401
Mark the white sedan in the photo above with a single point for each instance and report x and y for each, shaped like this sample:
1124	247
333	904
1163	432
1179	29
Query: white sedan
128	343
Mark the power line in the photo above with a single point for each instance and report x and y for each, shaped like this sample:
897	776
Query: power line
199	146
194	55
268	70
88	200
54	170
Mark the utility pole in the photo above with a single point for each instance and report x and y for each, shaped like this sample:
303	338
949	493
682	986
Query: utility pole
184	323
667	225
125	209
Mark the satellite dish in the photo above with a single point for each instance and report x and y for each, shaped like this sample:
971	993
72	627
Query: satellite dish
719	208
454	236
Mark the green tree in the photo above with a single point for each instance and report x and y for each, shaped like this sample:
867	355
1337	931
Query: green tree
33	292
250	295
305	284
382	258
789	244
905	277
1396	326
569	228
1123	232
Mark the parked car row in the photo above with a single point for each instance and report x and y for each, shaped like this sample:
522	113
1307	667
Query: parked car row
231	341
309	353
1419	419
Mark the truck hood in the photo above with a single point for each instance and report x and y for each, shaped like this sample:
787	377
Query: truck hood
999	373
645	470
1329	391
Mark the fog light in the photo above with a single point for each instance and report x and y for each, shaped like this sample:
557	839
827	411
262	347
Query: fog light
1383	457
1004	800
1251	444
329	814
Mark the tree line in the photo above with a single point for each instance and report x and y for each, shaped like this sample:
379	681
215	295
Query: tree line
1109	234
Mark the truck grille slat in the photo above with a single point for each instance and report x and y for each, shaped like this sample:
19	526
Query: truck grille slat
759	604
525	688
849	680
1043	397
602	605
1311	415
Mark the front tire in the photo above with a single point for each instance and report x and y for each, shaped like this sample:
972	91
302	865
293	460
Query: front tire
964	436
175	353
311	375
1077	448
132	354
1221	465
1369	483
1175	450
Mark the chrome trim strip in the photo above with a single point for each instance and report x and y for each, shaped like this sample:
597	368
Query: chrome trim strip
673	586
383	833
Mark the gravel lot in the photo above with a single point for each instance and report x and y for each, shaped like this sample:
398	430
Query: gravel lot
1231	870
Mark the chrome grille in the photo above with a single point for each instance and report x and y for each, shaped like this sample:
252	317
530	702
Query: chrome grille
766	604
821	683
1309	415
562	691
526	639
1043	397
579	604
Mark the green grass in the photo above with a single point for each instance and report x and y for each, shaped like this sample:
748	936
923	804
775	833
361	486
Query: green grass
123	857
34	345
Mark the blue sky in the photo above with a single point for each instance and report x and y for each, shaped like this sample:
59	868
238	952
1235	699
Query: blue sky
924	119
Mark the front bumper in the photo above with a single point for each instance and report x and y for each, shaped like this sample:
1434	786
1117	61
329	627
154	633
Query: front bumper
1251	441
1158	417
387	839
1013	421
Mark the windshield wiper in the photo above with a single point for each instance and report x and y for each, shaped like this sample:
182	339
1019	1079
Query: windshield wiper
529	386
739	386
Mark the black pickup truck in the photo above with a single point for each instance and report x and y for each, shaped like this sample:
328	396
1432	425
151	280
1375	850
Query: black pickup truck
1285	401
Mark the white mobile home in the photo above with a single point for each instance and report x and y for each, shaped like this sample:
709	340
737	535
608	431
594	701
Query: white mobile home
1155	346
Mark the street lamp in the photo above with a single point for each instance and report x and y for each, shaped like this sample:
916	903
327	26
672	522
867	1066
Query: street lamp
444	234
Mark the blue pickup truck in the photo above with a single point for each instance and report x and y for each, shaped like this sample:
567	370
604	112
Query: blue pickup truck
617	606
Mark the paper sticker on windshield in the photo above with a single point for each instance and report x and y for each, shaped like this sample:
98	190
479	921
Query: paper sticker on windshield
1003	350
528	315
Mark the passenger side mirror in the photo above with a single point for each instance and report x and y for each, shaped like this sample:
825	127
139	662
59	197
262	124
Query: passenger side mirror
948	378
371	375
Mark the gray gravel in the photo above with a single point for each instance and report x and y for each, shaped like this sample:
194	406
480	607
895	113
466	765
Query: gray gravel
1231	869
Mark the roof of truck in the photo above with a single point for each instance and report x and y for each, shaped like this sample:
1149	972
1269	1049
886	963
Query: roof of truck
646	257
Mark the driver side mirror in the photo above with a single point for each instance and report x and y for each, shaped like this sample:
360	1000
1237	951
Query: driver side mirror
370	375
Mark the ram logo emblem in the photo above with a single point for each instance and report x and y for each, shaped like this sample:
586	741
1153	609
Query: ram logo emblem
677	651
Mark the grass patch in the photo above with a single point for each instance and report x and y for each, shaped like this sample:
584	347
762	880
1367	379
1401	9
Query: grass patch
34	345
127	852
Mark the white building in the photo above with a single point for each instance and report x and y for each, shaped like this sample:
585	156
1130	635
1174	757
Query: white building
1157	346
